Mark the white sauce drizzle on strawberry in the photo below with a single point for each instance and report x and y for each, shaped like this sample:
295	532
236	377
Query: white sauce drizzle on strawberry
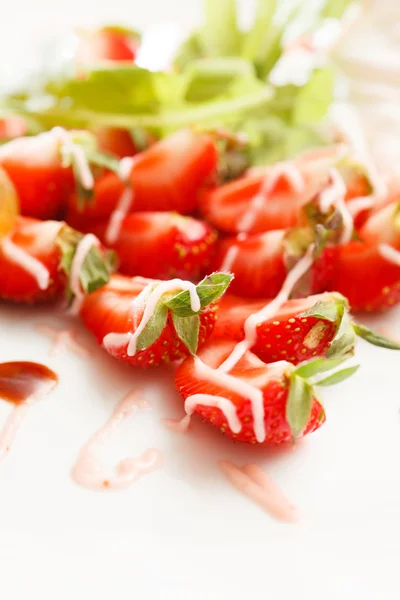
82	250
85	174
334	195
389	253
124	203
252	481
221	375
357	205
295	180
29	263
90	472
149	297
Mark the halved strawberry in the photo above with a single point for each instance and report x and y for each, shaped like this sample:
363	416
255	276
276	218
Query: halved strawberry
162	245
117	142
256	403
148	322
34	165
37	261
228	207
165	177
362	273
260	262
300	330
107	43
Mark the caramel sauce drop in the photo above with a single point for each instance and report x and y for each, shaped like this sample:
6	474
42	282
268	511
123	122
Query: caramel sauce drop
20	381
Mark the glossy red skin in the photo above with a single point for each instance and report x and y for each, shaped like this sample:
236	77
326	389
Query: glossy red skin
106	45
237	195
287	336
368	281
16	284
165	177
155	245
109	310
275	398
115	141
259	267
43	190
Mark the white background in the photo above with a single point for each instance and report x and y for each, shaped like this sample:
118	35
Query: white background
183	533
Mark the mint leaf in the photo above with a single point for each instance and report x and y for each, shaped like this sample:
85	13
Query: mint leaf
208	290
338	376
375	338
299	404
334	9
187	329
210	78
344	340
255	39
154	327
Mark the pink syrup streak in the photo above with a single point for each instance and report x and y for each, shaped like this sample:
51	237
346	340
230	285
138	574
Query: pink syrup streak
90	472
10	429
63	340
27	262
83	249
252	481
124	204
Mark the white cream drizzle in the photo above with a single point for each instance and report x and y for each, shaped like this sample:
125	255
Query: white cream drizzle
82	250
29	263
221	377
78	154
124	203
334	195
149	298
295	180
90	472
389	253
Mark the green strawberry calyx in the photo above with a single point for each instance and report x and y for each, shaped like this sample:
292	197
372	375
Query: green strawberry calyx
177	305
96	268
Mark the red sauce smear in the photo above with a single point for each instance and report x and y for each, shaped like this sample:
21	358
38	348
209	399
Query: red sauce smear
21	383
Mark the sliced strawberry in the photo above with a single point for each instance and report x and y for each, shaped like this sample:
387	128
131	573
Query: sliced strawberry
228	207
36	261
107	43
162	245
174	329
289	407
35	167
167	176
117	142
362	273
260	262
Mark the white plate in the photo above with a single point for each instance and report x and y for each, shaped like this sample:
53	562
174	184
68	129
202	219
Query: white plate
182	533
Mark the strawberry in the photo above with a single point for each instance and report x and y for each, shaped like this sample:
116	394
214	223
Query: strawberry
11	128
167	176
36	262
35	167
117	142
162	245
107	43
362	273
289	409
9	205
301	329
282	193
260	262
161	314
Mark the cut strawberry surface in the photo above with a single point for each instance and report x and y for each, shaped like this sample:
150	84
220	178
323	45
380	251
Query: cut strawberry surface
147	322
162	245
117	142
254	402
37	262
107	44
166	177
266	199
